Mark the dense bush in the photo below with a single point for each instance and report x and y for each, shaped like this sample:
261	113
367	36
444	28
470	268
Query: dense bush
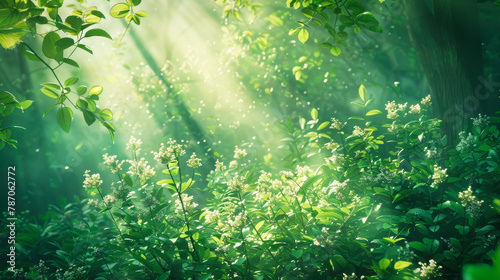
391	201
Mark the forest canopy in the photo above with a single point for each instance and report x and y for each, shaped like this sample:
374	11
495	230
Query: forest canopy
287	139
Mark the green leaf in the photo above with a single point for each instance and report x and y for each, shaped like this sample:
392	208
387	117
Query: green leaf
64	43
97	32
7	97
314	114
335	50
323	125
85	48
303	35
128	179
50	93
70	62
368	21
119	10
357	30
64	118
401	265
75	22
71	81
25	104
81	90
89	117
133	2
95	90
106	114
82	104
373	112
141	14
384	264
362	92
49	45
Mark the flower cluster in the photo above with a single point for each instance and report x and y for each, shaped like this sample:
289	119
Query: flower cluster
111	162
187	200
429	271
469	142
332	146
471	204
193	161
358	131
141	169
219	166
351	277
480	120
168	153
239	153
439	175
134	144
236	183
91	181
392	109
426	101
336	124
415	109
73	273
405	253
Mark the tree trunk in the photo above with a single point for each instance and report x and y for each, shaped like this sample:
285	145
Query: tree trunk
445	34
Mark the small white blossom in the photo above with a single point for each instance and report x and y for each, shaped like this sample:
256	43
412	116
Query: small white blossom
239	153
480	120
415	109
336	124
426	101
169	153
471	204
469	142
233	164
112	163
134	144
439	175
358	131
193	161
429	271
92	181
141	169
391	106
189	205
332	146
219	166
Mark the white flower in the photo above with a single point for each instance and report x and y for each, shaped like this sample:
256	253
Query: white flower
415	109
189	205
392	115
332	146
212	216
193	161
141	169
112	163
391	106
233	164
426	101
336	124
468	142
92	181
480	121
439	175
239	153
358	131
169	153
134	144
471	204
429	271
219	166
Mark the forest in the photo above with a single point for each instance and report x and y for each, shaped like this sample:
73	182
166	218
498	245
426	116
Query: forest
250	139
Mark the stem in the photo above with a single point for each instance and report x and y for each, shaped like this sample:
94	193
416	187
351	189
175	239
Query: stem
46	64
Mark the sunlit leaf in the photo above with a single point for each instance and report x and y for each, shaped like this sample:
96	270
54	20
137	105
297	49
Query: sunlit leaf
64	118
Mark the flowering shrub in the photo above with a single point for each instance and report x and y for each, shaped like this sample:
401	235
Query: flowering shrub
385	202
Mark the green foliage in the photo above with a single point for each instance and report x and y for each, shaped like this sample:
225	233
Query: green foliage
8	103
380	205
67	33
